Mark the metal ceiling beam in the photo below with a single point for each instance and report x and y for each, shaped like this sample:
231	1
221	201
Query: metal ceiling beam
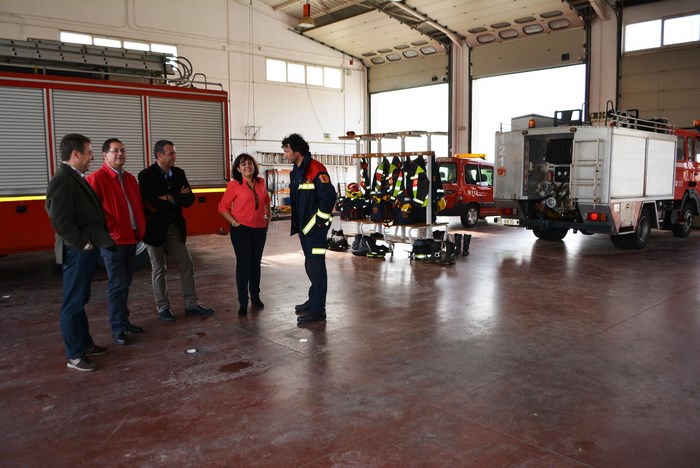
417	20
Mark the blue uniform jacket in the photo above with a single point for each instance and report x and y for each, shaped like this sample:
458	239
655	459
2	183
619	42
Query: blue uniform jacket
313	196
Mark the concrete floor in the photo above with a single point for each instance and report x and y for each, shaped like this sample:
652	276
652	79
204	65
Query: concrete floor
525	353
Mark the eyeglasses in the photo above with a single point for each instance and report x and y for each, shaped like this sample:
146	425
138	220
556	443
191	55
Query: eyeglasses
117	151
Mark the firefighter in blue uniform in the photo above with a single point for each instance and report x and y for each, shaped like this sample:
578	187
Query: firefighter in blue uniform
313	198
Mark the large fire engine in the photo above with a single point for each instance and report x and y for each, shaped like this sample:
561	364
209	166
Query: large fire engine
622	177
36	110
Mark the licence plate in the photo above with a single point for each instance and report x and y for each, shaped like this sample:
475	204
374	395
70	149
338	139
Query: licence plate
510	222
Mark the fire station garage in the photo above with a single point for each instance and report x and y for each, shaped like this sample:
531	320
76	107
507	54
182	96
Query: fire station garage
509	257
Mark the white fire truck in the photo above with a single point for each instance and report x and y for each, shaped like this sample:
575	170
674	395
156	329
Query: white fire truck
621	177
37	110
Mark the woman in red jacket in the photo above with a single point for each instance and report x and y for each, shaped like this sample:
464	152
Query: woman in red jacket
246	206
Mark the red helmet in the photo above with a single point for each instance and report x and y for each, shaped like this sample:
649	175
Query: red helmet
353	190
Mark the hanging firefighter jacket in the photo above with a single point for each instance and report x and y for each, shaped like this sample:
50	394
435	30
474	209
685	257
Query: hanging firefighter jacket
396	180
365	182
438	191
418	188
381	194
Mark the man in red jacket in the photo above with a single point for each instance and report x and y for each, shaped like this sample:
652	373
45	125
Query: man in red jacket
120	197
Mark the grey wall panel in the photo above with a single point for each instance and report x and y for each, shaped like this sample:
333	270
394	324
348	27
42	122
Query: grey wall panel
100	116
196	129
662	83
406	74
531	53
23	143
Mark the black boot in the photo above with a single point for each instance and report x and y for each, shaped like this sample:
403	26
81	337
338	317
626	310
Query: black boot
458	244
465	244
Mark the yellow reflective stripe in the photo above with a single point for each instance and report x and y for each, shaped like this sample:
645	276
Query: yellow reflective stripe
306	186
208	190
323	215
23	198
309	225
318	251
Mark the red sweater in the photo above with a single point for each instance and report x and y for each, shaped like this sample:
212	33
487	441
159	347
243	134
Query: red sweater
240	200
105	182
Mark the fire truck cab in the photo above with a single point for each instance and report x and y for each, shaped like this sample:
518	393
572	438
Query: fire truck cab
687	177
468	183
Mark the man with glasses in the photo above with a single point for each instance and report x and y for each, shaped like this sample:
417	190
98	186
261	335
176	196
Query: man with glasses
79	222
166	192
119	194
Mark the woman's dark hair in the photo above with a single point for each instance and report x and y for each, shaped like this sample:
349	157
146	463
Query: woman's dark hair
296	142
236	174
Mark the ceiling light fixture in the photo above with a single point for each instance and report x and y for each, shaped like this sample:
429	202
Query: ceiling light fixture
306	20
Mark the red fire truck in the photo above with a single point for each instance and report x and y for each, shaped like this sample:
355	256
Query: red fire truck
37	110
468	183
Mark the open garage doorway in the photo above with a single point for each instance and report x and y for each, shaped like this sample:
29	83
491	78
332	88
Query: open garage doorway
425	108
498	99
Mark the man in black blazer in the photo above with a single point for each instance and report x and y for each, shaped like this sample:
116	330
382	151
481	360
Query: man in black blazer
165	192
77	217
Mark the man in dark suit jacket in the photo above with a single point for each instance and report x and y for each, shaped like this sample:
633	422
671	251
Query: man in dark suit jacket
77	217
165	192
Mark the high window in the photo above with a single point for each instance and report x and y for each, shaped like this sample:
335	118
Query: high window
298	73
662	32
80	38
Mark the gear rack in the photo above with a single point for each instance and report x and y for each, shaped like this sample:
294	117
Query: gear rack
402	232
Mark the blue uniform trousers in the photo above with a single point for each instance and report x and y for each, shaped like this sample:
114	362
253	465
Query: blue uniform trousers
314	246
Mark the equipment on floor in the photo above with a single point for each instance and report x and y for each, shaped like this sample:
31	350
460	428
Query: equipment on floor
440	250
372	246
337	241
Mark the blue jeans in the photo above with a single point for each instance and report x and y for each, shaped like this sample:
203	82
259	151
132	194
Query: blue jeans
78	269
314	247
248	244
120	272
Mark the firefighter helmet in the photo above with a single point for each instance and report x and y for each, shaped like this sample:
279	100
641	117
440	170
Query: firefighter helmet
353	190
441	204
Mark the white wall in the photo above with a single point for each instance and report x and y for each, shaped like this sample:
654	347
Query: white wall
228	41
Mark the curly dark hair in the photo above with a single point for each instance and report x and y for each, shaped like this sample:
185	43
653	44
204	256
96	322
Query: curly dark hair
296	142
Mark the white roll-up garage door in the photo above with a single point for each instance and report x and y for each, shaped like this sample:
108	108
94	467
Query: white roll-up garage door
23	166
196	129
100	116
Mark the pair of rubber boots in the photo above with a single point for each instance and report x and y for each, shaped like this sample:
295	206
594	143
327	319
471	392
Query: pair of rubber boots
462	242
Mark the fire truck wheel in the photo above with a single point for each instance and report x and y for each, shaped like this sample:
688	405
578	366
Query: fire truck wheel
550	234
470	216
685	224
639	238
